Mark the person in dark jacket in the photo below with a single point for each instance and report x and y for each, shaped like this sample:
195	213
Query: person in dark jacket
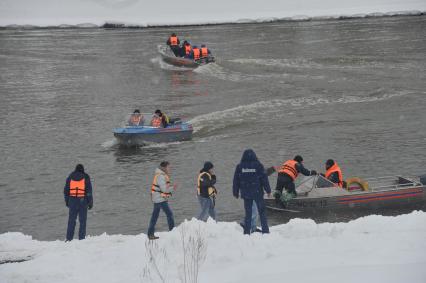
250	181
288	174
186	49
205	52
78	198
195	53
207	192
174	42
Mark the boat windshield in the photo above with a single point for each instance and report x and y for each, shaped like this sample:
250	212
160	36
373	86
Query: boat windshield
138	119
312	182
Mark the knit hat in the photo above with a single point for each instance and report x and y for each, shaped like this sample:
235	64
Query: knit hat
298	158
207	166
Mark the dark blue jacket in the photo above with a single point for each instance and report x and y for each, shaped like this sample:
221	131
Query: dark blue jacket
250	178
77	176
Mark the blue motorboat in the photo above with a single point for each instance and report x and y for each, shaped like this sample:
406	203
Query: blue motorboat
131	135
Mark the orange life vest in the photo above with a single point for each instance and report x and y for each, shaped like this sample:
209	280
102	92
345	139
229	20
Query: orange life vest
333	169
135	119
204	52
173	40
196	53
156	121
187	49
156	188
78	188
289	167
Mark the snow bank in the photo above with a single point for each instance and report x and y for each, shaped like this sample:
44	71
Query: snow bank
144	13
370	249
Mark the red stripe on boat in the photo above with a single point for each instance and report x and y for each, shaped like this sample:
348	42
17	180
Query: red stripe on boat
382	196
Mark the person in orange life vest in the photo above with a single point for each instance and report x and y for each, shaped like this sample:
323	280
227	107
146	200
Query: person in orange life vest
78	198
164	118
333	173
186	49
174	42
195	53
288	173
136	119
156	120
205	52
161	190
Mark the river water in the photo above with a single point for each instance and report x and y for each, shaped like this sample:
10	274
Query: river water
352	90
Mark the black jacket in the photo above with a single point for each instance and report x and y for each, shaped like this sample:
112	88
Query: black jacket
250	180
77	176
334	177
205	182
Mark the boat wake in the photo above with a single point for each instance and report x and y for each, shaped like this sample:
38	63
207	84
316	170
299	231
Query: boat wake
214	121
219	72
163	65
109	144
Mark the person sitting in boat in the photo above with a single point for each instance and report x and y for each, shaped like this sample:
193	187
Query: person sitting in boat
174	42
333	173
160	119
186	49
288	173
205	52
195	53
136	119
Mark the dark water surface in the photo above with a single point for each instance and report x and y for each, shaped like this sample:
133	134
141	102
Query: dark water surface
351	90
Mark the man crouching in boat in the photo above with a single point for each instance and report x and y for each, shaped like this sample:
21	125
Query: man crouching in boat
288	174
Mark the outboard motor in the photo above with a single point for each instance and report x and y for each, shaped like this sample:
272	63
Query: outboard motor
423	179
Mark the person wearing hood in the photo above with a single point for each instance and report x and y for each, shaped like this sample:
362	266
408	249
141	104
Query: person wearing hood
288	173
207	192
250	182
78	198
161	191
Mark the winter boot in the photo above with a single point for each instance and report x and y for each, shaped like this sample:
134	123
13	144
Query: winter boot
153	237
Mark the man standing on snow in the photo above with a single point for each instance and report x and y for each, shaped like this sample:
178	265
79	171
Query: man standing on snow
78	198
161	190
250	181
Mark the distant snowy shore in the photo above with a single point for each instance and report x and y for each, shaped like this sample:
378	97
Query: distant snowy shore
370	249
115	24
139	13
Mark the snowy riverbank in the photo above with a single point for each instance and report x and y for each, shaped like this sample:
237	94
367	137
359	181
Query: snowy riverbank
369	249
83	13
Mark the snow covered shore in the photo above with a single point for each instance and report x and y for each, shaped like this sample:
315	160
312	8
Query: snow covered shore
370	249
143	13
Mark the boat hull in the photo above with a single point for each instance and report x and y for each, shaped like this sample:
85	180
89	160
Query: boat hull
183	62
343	208
137	136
